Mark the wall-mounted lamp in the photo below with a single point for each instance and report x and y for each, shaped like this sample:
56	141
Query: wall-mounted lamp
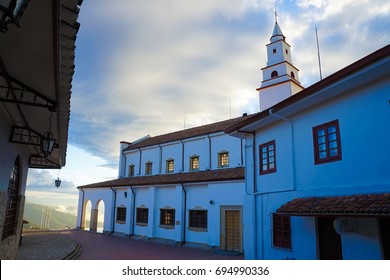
211	201
11	12
47	141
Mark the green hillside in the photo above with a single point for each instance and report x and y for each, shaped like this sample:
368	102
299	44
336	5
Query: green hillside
48	217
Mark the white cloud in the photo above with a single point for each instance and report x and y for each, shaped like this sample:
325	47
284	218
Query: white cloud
42	180
66	209
144	65
64	202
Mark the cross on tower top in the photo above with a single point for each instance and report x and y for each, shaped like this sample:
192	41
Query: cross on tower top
276	14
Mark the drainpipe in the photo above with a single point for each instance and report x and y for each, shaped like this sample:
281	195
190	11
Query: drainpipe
182	155
185	213
140	160
242	153
133	221
113	212
160	163
208	136
270	111
254	191
254	159
82	210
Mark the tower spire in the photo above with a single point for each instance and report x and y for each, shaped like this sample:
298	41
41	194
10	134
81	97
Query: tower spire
277	34
280	76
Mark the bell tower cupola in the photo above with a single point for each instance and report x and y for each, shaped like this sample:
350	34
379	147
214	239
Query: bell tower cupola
280	76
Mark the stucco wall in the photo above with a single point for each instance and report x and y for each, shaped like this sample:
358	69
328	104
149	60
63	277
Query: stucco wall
363	115
9	153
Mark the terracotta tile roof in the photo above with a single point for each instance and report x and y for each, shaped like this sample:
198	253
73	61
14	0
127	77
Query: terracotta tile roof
174	178
352	205
188	133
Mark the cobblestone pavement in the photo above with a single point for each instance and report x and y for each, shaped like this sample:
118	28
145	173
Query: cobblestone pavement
46	245
57	244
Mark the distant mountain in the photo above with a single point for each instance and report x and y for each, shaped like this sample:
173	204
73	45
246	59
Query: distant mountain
47	217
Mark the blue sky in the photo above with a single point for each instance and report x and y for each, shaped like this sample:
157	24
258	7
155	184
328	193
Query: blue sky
143	67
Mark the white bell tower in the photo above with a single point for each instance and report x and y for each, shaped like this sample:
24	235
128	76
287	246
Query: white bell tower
280	76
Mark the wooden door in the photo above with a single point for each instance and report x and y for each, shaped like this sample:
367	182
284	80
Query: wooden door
385	236
329	242
231	230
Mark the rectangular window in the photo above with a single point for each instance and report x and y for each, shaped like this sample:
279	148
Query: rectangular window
121	214
148	168
131	170
327	144
223	159
167	217
142	216
170	166
267	158
198	219
281	233
11	209
194	163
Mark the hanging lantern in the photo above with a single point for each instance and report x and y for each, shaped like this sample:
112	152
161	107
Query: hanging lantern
57	182
47	143
10	12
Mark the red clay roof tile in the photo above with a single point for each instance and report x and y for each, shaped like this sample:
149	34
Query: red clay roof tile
360	204
188	133
174	178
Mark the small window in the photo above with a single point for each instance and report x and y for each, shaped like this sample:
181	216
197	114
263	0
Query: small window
327	144
274	51
281	231
198	219
167	217
148	168
170	166
11	210
292	75
274	74
131	170
286	51
223	159
142	216
267	158
194	163
121	214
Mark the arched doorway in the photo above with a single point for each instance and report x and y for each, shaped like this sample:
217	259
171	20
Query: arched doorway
100	222
86	216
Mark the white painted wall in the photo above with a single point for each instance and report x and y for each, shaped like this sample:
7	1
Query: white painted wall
95	195
206	147
198	196
272	95
363	115
172	151
8	154
222	142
